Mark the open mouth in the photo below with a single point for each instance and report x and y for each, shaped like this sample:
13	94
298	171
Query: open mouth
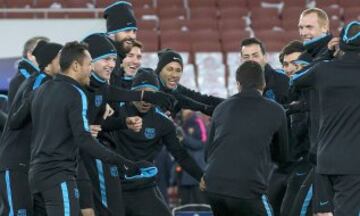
172	83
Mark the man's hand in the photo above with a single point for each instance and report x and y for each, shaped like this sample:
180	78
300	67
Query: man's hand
202	184
333	44
134	123
108	112
95	129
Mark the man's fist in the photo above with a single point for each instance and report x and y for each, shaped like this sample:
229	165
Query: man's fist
134	123
94	130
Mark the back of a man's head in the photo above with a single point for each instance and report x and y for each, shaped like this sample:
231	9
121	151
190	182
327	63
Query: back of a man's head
250	76
72	51
31	44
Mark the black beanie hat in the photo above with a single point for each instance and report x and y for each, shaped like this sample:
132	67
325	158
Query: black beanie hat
350	42
120	17
100	46
47	53
145	78
40	44
165	57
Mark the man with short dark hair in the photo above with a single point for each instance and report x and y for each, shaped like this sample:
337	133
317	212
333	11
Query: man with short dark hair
247	133
60	127
289	54
276	82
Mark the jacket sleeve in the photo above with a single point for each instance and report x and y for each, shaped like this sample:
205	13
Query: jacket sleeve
3	118
197	96
188	103
118	94
280	146
22	114
114	122
181	155
77	116
305	79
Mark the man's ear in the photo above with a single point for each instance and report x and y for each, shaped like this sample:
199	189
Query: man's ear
238	86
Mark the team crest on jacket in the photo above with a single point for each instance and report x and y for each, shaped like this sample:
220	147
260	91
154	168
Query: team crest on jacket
98	100
150	133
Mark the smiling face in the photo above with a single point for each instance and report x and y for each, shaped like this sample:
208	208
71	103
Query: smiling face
104	67
253	52
126	38
289	67
170	75
132	62
310	26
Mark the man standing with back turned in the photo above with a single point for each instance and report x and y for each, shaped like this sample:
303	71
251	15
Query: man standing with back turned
239	156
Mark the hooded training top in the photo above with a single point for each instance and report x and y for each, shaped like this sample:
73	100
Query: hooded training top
60	127
247	132
337	85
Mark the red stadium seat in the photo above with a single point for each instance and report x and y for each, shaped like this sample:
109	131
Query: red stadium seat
18	3
233	13
204	36
326	3
290	24
290	36
254	4
140	13
201	3
150	39
172	24
291	13
264	13
232	4
231	39
147	25
349	3
271	38
2	5
202	24
166	13
143	4
266	23
294	3
103	3
170	3
273	46
203	46
76	3
351	14
176	45
230	24
333	12
174	36
208	12
46	3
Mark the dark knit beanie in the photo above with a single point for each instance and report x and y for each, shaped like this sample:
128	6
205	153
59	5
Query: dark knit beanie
145	78
120	17
165	57
350	37
40	44
100	46
47	53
